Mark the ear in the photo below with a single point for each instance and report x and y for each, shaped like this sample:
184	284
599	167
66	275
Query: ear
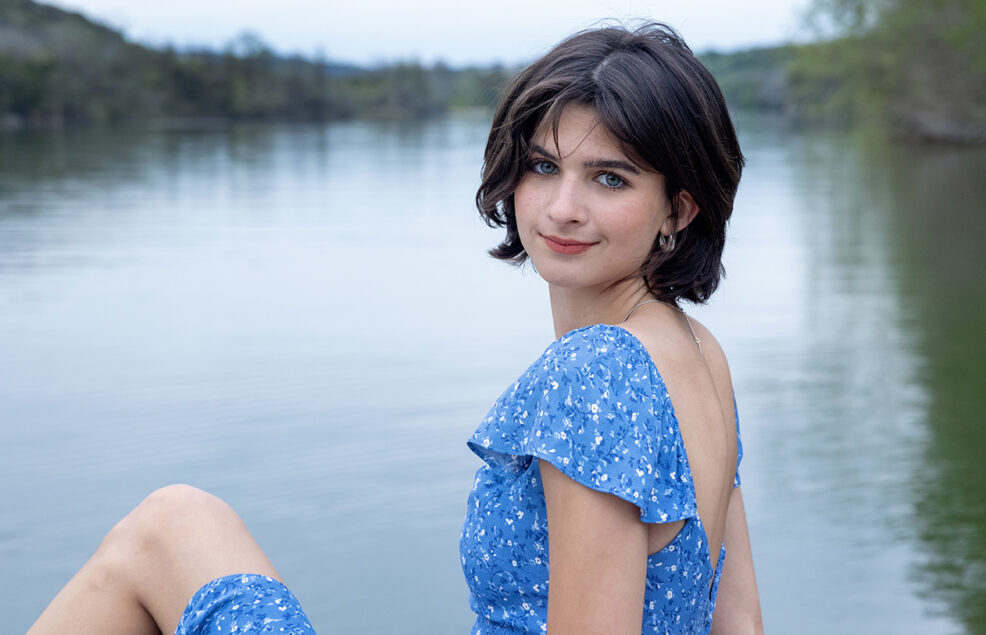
687	211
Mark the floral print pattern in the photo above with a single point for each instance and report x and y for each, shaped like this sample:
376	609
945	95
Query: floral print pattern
244	603
595	406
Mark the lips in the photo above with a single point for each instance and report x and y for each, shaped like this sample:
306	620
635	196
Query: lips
565	245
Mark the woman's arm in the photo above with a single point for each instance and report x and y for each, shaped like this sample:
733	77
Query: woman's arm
598	553
738	603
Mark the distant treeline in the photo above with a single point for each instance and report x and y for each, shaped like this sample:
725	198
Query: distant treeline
58	67
918	66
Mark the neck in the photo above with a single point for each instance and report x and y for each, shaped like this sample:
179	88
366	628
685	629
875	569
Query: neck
574	308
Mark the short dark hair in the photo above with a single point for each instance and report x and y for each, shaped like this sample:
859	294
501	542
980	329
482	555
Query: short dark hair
665	111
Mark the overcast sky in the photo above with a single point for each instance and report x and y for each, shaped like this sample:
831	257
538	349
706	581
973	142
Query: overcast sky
458	32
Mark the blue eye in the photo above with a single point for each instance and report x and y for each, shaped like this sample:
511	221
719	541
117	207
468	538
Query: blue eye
611	181
544	167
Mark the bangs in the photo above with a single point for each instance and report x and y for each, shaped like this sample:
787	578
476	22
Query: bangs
613	120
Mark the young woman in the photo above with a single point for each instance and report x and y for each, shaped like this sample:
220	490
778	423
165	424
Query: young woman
612	164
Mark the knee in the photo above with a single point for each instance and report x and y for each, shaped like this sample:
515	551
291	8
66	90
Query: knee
178	503
163	520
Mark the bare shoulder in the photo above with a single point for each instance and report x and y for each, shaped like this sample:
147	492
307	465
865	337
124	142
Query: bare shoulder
688	372
667	337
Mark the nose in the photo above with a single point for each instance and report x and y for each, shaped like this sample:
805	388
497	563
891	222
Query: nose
567	204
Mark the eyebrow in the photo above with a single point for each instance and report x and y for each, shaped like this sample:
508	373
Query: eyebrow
611	164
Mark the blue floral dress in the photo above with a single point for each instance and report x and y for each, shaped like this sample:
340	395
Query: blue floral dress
595	406
244	603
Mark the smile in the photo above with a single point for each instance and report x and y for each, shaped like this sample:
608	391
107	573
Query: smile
565	246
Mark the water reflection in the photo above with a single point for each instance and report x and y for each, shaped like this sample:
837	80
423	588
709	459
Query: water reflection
938	194
896	315
828	372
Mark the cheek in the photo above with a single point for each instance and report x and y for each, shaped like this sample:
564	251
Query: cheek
638	228
524	207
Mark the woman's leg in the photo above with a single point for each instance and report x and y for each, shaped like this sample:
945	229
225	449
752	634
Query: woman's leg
151	563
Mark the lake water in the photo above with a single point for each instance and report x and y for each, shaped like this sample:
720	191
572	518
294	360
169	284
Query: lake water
302	320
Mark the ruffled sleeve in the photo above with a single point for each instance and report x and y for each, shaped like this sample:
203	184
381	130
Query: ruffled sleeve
595	407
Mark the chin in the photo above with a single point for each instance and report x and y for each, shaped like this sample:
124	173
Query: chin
566	277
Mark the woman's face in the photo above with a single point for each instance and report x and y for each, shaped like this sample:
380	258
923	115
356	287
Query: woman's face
587	215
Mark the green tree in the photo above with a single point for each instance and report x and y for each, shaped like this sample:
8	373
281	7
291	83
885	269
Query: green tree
918	65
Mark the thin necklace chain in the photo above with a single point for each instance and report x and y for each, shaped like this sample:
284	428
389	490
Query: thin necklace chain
690	328
640	304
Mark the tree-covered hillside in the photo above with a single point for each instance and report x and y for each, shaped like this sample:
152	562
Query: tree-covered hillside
59	67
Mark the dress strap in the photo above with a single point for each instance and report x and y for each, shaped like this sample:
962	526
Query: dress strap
692	329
